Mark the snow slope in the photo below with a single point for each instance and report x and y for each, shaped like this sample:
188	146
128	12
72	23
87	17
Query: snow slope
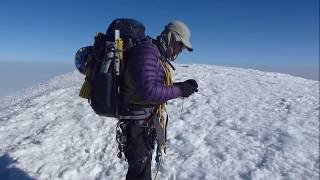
242	124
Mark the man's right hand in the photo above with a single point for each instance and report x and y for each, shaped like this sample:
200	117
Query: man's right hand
188	87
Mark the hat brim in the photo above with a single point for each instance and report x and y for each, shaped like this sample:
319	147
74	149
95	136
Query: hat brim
187	44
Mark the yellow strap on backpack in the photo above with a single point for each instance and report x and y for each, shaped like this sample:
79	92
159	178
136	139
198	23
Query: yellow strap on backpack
120	47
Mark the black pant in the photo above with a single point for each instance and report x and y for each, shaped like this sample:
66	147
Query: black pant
138	150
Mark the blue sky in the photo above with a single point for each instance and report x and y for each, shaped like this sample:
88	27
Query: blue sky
230	32
280	34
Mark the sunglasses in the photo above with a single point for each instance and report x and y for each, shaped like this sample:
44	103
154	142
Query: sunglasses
181	45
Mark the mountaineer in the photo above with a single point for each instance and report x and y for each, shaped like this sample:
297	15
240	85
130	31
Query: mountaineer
145	87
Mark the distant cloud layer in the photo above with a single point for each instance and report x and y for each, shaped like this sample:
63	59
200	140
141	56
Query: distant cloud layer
15	76
305	71
19	75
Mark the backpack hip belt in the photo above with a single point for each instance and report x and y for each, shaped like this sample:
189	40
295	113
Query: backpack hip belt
137	114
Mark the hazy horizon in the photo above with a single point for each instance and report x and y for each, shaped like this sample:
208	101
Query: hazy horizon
20	75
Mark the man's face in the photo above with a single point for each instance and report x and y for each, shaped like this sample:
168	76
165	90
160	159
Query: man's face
178	47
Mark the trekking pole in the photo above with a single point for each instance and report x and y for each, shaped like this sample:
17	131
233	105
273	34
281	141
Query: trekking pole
117	60
118	57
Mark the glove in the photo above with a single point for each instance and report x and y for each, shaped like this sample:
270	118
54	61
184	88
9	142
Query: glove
193	83
188	87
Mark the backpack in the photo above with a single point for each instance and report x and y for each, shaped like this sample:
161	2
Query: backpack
103	64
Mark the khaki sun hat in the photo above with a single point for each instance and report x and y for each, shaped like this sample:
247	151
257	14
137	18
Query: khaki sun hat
183	32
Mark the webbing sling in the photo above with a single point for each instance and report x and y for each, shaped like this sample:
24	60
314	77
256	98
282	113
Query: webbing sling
159	121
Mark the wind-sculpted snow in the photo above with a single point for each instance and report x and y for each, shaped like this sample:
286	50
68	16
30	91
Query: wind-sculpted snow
242	124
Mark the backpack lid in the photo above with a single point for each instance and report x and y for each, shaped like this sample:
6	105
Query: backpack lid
129	29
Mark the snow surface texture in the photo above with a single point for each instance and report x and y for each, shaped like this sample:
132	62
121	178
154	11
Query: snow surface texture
242	124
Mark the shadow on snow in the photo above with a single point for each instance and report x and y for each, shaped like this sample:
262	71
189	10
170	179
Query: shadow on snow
9	172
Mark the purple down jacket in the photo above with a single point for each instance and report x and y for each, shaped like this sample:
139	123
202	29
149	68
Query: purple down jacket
148	74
